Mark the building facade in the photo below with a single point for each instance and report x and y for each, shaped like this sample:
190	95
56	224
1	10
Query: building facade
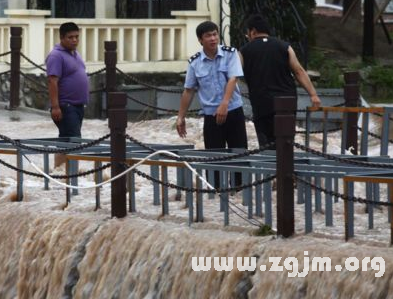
159	44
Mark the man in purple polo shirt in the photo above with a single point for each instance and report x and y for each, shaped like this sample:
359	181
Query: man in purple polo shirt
68	84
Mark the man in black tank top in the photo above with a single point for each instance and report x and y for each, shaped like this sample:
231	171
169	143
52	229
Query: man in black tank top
269	65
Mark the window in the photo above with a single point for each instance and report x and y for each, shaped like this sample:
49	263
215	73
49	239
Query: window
157	9
66	8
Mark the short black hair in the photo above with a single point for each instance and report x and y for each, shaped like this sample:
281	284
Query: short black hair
259	23
68	27
204	27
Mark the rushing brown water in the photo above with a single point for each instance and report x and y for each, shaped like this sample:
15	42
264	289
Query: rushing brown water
48	253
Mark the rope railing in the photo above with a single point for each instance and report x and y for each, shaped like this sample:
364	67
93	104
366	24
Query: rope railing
34	174
151	106
257	223
205	160
5	53
96	72
219	191
32	62
20	145
374	135
343	160
201	190
43	69
380	115
147	85
5	73
36	82
174	111
342	196
119	175
38	90
251	221
319	131
24	67
140	82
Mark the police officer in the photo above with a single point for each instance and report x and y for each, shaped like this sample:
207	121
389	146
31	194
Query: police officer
213	72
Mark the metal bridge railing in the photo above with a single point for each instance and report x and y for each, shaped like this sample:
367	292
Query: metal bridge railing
257	170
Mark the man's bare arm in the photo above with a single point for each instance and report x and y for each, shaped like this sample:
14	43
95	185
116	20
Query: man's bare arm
53	89
303	78
185	103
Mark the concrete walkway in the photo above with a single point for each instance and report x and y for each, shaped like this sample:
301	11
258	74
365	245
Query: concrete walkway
22	114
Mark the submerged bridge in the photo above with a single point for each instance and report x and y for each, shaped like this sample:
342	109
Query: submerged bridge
321	181
319	176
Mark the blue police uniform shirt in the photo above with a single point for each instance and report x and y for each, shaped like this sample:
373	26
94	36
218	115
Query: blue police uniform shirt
210	76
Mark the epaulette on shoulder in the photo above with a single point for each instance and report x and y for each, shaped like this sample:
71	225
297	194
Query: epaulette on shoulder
229	49
193	57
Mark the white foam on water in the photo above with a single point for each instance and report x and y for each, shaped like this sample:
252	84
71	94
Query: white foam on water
50	250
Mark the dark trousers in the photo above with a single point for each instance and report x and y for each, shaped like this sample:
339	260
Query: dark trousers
231	134
264	128
71	123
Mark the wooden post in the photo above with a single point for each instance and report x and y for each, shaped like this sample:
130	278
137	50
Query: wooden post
110	65
15	45
352	99
285	108
117	123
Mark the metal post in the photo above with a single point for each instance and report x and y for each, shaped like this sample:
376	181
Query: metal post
352	99
15	45
390	196
285	108
110	65
19	176
368	30
149	9
117	123
53	8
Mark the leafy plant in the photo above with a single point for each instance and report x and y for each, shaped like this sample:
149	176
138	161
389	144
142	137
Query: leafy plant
264	230
376	82
331	72
381	75
379	80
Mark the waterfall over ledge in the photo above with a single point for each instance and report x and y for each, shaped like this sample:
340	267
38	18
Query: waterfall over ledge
49	253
